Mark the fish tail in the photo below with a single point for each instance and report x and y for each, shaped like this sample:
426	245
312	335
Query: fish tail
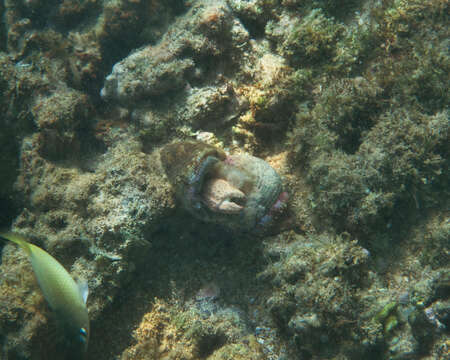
18	239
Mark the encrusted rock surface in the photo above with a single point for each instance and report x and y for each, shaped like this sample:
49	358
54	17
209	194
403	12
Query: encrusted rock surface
347	101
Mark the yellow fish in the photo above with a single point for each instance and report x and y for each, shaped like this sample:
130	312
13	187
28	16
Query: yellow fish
65	297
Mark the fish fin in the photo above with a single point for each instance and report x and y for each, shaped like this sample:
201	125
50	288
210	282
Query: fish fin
18	239
83	289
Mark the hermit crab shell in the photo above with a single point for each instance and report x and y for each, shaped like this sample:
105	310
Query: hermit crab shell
237	191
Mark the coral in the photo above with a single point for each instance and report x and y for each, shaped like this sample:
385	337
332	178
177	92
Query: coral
93	221
365	162
394	166
18	85
205	107
181	64
268	101
169	331
61	119
312	38
156	70
315	282
322	285
247	349
346	100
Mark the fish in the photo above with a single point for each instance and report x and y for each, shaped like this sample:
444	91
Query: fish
65	296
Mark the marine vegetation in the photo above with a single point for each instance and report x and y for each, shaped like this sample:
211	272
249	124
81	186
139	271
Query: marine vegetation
262	179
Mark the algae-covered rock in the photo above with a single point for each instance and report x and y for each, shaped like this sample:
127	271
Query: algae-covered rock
310	38
316	283
399	161
346	100
156	70
171	332
18	86
96	223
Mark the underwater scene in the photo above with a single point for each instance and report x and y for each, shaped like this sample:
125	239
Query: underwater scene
224	179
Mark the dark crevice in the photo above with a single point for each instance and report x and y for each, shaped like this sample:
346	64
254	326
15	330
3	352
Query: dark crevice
256	28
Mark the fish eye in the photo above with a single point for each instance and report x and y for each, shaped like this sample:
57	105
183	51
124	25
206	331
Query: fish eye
83	334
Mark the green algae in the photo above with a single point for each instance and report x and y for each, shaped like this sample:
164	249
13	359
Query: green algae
390	324
312	39
360	92
386	311
361	134
388	317
193	332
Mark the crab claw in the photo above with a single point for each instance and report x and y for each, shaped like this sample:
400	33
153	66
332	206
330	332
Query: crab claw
219	195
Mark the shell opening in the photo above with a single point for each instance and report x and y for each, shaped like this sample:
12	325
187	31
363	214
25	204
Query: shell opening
219	195
225	189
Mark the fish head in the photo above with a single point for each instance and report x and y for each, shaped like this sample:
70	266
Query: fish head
83	338
76	324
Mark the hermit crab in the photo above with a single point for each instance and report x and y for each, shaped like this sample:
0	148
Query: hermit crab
240	192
